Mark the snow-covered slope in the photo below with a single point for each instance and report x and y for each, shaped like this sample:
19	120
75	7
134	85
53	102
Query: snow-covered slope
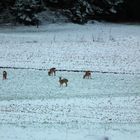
34	107
33	85
98	47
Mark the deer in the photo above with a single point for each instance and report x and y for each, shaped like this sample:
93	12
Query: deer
4	75
52	71
87	75
63	81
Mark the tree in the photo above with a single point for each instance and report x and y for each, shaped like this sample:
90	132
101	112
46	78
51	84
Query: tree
84	10
132	9
25	11
5	4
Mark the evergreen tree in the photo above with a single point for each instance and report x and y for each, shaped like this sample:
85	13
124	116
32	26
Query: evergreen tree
79	11
132	9
5	4
84	10
25	11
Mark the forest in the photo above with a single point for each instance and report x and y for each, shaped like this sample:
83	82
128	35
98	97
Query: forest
77	11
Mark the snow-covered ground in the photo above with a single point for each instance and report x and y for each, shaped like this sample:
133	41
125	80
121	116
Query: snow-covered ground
98	47
33	106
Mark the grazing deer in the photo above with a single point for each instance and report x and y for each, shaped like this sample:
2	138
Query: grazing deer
87	75
52	71
4	75
63	81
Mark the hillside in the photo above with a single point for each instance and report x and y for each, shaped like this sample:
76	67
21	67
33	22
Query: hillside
33	106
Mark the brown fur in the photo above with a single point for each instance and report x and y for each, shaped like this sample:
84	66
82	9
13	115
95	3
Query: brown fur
52	72
4	75
87	75
63	81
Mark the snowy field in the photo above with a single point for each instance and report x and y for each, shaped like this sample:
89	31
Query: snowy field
34	107
100	47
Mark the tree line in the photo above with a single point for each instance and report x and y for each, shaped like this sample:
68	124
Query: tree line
78	11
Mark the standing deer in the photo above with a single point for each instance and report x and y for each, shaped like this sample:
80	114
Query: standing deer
87	75
52	71
4	75
63	81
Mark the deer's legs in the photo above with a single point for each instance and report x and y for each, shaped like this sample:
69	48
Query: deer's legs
54	73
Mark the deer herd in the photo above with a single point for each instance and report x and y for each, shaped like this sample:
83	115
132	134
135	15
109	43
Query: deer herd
62	81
